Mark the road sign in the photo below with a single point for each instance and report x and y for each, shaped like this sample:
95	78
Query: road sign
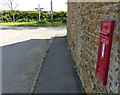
50	12
39	9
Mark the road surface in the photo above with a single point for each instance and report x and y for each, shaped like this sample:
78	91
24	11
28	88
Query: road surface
23	49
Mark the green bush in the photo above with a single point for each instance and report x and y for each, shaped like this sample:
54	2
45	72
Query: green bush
31	16
64	20
31	20
57	19
5	19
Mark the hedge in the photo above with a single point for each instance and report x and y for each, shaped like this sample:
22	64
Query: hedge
31	16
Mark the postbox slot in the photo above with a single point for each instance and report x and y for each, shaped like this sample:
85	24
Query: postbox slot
103	50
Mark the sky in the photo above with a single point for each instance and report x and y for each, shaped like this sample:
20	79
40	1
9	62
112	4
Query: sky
24	5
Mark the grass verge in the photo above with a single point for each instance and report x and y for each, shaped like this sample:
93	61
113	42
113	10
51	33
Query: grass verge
33	24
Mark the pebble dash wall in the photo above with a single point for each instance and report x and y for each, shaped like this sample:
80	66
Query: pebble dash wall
83	37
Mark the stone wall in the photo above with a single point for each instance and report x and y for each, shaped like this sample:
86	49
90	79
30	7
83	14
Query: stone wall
83	37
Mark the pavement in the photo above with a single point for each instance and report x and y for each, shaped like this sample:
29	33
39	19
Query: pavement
57	74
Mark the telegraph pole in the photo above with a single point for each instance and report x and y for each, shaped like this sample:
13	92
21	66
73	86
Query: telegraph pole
51	10
39	11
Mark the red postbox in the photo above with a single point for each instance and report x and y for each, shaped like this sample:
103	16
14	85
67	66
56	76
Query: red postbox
104	49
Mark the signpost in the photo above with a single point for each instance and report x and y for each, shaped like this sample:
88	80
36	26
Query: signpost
51	10
39	9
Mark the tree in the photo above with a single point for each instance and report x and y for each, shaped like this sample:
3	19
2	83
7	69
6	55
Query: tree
12	5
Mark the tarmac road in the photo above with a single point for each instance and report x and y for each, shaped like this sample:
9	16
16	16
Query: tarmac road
23	49
20	63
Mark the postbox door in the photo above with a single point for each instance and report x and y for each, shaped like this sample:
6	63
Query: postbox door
103	66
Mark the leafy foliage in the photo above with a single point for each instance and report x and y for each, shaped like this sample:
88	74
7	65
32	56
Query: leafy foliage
32	16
